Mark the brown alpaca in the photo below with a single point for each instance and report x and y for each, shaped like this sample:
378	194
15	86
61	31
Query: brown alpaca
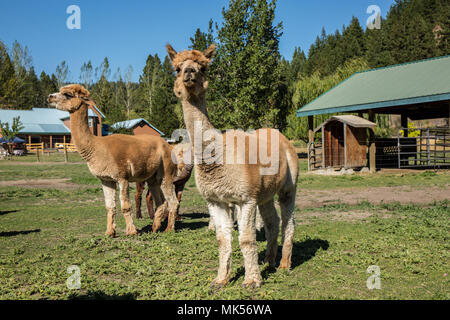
248	184
182	176
120	159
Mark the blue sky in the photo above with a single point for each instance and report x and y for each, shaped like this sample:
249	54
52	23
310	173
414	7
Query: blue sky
127	31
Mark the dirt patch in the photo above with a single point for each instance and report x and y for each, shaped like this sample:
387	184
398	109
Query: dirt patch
375	195
64	184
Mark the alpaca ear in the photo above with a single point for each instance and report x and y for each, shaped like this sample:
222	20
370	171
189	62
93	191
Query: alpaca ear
210	52
171	52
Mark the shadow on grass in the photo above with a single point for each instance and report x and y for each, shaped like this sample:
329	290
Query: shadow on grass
195	215
185	223
8	211
301	252
100	295
16	233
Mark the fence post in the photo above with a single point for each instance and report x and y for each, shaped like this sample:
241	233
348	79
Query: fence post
372	150
65	153
428	147
37	155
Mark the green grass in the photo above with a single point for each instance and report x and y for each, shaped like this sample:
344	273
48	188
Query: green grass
46	157
44	231
77	173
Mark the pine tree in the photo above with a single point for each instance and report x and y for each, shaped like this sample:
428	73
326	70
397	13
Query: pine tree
8	82
47	86
149	81
246	74
201	40
103	95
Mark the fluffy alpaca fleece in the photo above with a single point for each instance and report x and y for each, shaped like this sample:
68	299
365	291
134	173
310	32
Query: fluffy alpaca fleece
242	185
120	159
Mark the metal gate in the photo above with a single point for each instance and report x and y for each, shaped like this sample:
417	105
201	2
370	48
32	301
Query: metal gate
430	148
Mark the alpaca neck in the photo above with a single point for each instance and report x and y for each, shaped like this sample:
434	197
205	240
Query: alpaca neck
81	134
197	121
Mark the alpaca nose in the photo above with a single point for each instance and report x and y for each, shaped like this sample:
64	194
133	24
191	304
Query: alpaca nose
188	73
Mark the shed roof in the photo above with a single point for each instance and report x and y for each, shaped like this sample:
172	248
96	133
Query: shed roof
131	124
351	120
399	85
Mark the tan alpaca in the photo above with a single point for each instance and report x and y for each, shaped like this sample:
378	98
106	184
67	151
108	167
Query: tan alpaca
183	173
120	159
243	184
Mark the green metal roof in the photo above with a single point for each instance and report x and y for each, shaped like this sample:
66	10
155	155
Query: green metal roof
409	83
41	120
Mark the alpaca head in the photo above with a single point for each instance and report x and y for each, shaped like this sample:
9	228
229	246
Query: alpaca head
191	69
69	98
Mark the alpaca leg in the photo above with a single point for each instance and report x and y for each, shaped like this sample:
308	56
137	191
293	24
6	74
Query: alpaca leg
109	191
211	225
161	207
221	215
138	198
126	207
179	195
168	190
271	226
259	221
287	204
247	242
149	201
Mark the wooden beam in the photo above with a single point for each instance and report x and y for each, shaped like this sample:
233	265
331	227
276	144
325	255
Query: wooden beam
404	124
372	149
310	129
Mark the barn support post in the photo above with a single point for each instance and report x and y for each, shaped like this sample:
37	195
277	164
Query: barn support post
372	149
310	129
404	124
310	139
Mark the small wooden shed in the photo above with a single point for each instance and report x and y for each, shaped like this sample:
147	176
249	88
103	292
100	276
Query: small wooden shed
344	142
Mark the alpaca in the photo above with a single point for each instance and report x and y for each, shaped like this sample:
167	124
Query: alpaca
182	176
120	159
248	185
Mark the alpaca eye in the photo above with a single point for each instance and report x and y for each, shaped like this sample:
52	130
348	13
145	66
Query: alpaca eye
68	95
178	70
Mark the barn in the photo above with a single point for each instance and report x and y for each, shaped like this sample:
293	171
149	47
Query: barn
48	125
138	126
416	91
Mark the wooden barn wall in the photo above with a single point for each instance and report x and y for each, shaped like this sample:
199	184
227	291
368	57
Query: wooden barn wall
334	145
356	151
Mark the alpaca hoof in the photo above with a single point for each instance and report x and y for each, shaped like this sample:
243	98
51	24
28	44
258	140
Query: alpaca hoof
169	230
284	266
132	231
111	234
270	262
251	284
217	284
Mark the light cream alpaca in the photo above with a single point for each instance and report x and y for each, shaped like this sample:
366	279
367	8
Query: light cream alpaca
120	159
243	185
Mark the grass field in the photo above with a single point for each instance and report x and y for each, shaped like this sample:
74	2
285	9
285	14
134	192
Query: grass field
46	229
